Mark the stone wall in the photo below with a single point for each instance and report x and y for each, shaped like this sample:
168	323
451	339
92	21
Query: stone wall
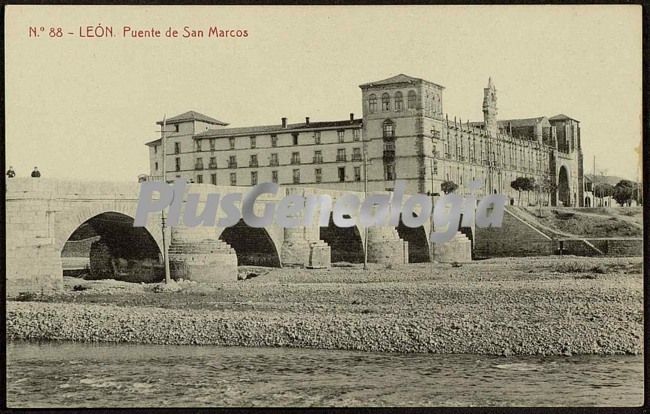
515	237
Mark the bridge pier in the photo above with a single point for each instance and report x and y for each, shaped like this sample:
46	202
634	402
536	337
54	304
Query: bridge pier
195	253
386	247
458	249
302	246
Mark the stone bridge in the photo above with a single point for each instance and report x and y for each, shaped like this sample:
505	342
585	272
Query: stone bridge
42	215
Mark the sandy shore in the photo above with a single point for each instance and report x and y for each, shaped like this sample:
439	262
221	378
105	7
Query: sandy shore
542	306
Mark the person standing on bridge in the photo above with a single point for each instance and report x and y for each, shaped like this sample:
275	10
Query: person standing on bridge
36	173
10	172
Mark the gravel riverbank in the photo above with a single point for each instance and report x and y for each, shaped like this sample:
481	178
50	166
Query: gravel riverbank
527	306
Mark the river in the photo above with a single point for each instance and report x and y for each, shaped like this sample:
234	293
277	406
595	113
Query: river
60	374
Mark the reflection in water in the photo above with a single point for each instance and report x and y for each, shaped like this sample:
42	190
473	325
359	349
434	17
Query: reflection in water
87	375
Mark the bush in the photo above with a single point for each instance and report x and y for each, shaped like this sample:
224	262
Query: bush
26	296
580	267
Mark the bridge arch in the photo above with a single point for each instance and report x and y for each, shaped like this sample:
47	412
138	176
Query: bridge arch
346	243
418	242
114	249
253	246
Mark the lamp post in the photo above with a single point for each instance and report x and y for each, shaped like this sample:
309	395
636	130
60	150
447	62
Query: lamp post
162	213
365	193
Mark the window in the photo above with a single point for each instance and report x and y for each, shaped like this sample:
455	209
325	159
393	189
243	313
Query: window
372	103
213	179
389	172
212	144
412	97
232	162
233	178
295	158
176	128
155	149
317	137
199	164
231	143
156	166
341	174
340	154
389	129
274	176
199	178
177	147
318	157
357	173
319	175
253	141
213	163
295	139
178	164
385	102
341	134
356	134
253	177
296	176
399	102
356	154
274	140
274	160
253	161
198	145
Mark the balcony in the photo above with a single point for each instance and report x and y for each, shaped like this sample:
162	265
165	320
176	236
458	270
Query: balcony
318	160
273	163
357	157
212	166
435	134
341	158
253	164
232	164
295	161
389	155
198	166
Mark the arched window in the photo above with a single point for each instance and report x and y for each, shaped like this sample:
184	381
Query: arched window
411	100
389	129
372	103
385	102
399	103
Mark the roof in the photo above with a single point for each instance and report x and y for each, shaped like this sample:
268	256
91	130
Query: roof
401	78
267	129
154	142
561	117
192	116
520	122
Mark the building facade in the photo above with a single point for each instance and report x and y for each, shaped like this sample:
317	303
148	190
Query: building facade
404	134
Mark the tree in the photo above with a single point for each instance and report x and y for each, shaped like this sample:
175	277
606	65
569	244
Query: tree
624	192
530	186
448	186
522	184
548	187
602	190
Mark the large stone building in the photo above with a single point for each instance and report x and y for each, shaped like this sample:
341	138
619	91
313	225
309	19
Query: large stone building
406	136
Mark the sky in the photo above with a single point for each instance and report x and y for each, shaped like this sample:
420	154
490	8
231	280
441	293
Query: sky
83	108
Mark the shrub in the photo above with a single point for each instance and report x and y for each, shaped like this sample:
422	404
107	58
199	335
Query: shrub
26	296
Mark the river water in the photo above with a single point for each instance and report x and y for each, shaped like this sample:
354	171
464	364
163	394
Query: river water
106	375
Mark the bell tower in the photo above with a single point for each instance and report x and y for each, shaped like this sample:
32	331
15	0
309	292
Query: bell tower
490	108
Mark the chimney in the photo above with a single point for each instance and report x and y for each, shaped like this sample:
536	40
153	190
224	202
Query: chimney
284	122
351	116
307	120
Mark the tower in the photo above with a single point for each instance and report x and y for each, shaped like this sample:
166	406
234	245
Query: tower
490	108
